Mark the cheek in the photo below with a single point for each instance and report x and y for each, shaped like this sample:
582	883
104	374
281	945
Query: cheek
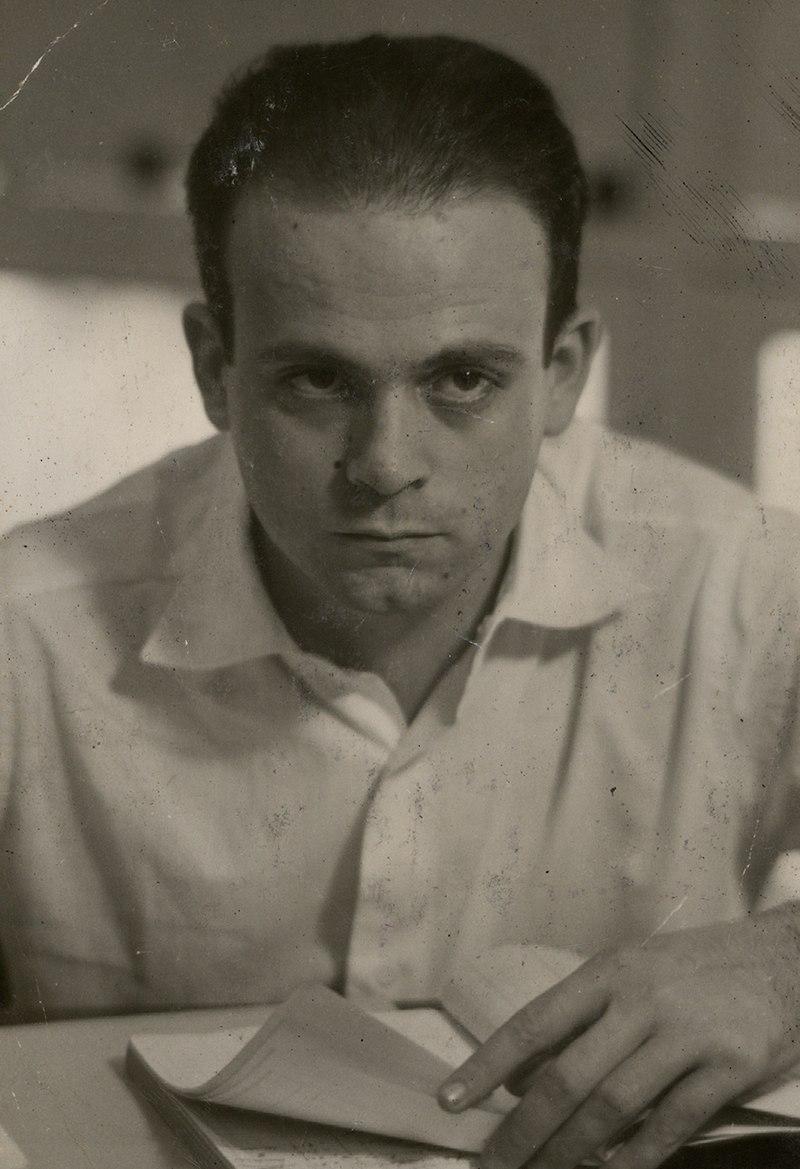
501	471
287	469
509	448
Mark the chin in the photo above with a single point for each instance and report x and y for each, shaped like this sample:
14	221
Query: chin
392	591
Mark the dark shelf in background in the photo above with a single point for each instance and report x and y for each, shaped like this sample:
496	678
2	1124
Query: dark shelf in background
61	242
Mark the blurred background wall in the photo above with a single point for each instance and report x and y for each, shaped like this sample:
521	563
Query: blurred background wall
688	116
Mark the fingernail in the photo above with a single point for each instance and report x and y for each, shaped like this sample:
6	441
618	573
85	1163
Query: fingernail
452	1095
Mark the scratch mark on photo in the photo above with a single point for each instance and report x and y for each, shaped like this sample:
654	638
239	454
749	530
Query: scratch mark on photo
672	685
669	917
749	861
56	41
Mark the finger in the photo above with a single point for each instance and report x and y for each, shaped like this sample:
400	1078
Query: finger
560	1088
538	1027
616	1103
685	1109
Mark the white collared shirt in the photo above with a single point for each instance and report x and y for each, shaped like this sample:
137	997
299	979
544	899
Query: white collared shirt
196	812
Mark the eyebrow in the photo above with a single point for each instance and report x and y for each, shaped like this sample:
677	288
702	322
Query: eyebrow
464	354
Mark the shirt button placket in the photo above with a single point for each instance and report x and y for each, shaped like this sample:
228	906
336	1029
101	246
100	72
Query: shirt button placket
390	942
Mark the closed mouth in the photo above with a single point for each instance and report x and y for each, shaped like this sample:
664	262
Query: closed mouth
386	537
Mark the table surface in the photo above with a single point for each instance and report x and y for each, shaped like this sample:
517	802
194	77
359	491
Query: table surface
65	1102
64	1099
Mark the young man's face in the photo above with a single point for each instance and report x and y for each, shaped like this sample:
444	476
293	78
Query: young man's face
387	393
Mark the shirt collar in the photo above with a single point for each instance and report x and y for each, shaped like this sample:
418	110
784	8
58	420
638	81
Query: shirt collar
220	614
558	576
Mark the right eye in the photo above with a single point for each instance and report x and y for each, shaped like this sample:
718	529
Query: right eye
318	384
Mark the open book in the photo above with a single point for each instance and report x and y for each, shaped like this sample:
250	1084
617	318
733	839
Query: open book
237	1097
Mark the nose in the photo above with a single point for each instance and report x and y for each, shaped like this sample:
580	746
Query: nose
386	447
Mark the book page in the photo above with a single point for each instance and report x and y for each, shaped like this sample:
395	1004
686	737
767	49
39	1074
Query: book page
320	1058
229	1138
782	1099
187	1062
249	1141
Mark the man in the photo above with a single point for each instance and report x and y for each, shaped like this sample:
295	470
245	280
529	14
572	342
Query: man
407	665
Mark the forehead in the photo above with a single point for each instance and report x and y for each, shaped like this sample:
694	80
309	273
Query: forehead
458	264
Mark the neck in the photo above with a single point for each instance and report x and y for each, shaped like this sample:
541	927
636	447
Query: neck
409	650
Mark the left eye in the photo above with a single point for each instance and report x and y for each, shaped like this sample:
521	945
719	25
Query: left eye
459	386
323	382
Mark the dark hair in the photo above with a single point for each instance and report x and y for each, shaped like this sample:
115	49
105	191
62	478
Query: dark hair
401	121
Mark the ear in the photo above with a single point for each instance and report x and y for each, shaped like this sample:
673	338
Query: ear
569	367
204	338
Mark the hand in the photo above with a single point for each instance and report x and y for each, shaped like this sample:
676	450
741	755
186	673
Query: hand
680	1024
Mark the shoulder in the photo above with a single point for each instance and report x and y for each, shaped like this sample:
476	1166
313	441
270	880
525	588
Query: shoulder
615	477
616	481
124	533
667	516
